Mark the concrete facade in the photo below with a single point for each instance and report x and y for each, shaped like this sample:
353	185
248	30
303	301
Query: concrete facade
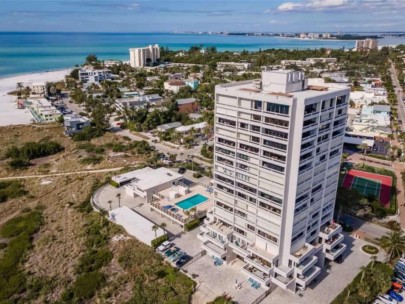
140	57
278	144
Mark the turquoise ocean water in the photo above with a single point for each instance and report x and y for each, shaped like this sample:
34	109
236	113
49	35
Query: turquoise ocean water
34	52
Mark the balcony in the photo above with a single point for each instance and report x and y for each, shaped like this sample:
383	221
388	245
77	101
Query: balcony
300	255
215	240
220	228
335	252
256	274
262	253
284	271
337	239
305	279
306	264
213	250
330	230
239	248
282	282
258	263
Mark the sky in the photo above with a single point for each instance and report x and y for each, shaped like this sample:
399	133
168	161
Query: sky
202	15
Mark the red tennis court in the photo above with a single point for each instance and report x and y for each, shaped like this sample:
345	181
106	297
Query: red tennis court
367	184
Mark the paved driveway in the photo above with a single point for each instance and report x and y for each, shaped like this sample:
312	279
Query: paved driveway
213	281
328	285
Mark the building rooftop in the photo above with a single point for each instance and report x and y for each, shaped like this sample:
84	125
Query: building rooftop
169	126
284	84
184	101
147	178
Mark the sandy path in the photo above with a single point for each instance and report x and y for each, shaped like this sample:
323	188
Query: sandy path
9	115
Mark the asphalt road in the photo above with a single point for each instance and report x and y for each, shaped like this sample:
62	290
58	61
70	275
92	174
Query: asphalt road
360	226
399	92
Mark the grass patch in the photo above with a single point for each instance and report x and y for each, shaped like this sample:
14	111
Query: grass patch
370	249
11	189
91	160
13	281
97	232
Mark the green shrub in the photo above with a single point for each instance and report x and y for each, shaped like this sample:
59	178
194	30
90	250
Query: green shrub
87	284
191	225
93	260
197	175
87	134
19	163
114	184
91	160
11	189
31	150
159	240
90	148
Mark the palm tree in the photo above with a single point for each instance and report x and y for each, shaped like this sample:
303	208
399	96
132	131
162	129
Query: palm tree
364	148
155	228
364	291
373	258
393	244
119	199
193	211
110	202
363	272
163	226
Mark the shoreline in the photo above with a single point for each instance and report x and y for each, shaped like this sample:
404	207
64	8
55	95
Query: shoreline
9	115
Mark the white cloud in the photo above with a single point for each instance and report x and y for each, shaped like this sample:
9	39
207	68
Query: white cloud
312	4
353	5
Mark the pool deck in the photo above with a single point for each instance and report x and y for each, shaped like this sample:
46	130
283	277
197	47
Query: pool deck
177	214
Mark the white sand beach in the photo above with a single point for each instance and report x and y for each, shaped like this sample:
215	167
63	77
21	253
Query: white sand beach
9	114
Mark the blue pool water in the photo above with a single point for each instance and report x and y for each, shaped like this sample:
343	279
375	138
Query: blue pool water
191	201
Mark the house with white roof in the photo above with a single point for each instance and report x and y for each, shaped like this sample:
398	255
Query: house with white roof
147	181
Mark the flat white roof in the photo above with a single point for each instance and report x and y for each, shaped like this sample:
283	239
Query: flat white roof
147	178
122	178
150	179
135	224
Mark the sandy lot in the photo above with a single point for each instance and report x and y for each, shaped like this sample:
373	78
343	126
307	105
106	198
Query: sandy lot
9	115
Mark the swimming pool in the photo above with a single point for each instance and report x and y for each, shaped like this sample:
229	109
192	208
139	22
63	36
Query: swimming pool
192	201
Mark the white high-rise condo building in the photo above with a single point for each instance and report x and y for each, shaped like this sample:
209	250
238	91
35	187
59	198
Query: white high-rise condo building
278	145
146	56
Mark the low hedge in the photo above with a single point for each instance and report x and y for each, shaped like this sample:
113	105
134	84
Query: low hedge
114	184
159	240
191	225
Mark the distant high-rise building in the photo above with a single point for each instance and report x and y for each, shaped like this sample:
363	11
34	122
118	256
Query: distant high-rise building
147	56
367	44
278	146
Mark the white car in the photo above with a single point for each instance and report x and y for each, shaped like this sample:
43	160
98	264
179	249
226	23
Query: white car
164	246
386	299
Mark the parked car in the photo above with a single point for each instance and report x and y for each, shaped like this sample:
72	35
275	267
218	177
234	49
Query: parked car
176	256
164	246
181	170
396	296
183	260
171	251
387	299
